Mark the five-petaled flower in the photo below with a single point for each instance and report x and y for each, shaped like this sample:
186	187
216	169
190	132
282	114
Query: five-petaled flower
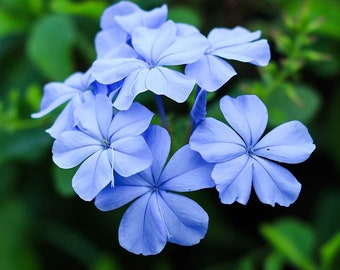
158	215
106	141
242	159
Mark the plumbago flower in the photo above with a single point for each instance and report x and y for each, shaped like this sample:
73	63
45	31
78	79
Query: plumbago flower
118	21
242	159
157	214
103	142
168	45
70	91
211	71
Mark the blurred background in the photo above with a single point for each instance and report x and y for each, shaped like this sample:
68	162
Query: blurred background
44	225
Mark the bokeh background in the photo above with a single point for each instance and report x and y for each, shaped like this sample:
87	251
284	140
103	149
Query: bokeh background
44	225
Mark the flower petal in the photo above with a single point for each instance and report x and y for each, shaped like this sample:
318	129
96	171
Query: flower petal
94	116
185	220
55	94
186	171
72	147
199	109
171	83
131	155
133	121
150	43
142	229
215	141
65	120
233	179
184	50
133	84
122	8
223	37
110	70
210	72
93	175
158	140
289	143
247	115
256	52
151	19
274	184
124	191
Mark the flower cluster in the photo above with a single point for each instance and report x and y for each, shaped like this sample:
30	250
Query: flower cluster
123	158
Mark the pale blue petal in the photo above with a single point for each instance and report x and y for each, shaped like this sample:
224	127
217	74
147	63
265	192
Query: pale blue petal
107	41
150	19
224	37
257	52
247	115
93	175
131	155
122	8
108	71
65	120
184	29
133	85
142	229
184	50
171	83
124	191
133	121
72	147
150	43
159	141
210	72
186	222
233	179
186	171
215	141
55	94
289	143
199	109
274	184
94	116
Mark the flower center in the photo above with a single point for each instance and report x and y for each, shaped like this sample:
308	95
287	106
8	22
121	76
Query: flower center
105	143
250	151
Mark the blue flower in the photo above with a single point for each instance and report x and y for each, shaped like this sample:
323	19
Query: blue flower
168	45
242	159
157	215
102	142
119	20
70	91
211	71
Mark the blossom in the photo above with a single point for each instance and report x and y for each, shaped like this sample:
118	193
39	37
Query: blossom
102	142
211	71
119	20
242	158
158	215
168	45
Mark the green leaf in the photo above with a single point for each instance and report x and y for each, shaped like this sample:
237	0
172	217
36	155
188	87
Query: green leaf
292	102
50	45
293	239
63	180
330	253
274	261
